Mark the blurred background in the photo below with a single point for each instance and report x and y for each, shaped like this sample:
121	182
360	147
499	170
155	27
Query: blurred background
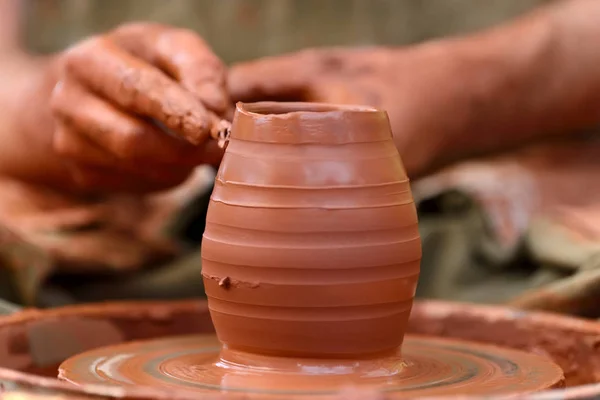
245	29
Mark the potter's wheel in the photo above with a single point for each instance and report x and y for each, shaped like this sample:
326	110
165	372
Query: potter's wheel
428	367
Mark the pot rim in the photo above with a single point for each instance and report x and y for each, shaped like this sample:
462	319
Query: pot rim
309	123
276	109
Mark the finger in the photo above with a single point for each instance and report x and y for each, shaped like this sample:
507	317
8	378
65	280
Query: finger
183	55
280	78
122	135
75	147
212	153
98	180
138	87
79	149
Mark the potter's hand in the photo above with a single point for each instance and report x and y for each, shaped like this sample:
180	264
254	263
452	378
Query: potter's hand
135	108
377	77
328	75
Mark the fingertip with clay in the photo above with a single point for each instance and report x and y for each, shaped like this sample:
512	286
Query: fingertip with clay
220	132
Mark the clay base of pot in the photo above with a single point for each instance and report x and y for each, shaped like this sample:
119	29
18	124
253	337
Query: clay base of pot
428	367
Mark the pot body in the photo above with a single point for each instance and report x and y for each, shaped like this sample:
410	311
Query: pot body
311	245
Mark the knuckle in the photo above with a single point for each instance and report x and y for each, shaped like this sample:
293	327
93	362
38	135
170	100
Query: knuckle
128	142
185	34
58	98
63	103
138	27
61	143
75	60
74	53
82	177
187	38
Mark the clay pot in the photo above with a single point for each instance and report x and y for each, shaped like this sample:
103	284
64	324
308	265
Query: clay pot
311	245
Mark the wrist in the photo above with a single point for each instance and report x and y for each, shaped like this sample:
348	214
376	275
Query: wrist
431	105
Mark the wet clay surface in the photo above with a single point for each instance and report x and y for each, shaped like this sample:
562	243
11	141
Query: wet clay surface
311	206
427	367
572	343
31	353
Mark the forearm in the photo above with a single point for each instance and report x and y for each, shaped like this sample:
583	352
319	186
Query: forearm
538	76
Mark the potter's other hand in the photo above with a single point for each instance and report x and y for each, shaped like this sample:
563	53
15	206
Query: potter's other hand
135	108
379	77
531	79
327	75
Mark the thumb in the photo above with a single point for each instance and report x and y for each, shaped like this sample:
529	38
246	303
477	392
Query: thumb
282	78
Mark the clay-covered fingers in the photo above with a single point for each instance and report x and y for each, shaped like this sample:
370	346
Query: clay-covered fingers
97	180
136	87
183	55
96	139
93	170
283	78
124	136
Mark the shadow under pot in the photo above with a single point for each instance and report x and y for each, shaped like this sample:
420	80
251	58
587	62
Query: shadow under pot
311	247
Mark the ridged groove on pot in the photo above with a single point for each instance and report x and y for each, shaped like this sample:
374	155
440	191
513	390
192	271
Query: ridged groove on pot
311	244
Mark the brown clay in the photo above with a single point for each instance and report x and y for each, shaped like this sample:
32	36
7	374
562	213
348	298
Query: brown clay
313	226
33	343
427	367
311	260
